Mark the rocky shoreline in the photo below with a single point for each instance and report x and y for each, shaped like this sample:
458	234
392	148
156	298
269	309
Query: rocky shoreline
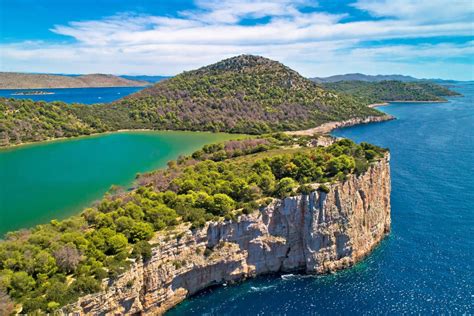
328	127
316	233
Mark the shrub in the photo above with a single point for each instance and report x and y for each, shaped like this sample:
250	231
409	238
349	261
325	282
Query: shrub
323	188
285	187
117	243
142	249
305	189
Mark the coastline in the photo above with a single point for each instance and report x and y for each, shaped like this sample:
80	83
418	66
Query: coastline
51	88
48	140
374	105
279	238
326	128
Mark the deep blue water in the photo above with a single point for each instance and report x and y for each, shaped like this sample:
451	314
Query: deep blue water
75	95
426	265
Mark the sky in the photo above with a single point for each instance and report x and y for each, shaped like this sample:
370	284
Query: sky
422	38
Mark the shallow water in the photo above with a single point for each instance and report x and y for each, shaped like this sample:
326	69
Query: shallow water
55	179
75	95
426	265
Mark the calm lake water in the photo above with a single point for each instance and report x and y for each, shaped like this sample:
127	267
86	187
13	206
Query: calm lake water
75	95
426	265
56	179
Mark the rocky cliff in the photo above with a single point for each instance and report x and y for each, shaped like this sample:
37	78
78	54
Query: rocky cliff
316	233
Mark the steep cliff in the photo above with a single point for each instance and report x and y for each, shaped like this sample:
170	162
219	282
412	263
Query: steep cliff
316	233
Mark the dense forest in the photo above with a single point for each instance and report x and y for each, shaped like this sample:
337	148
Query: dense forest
46	267
28	121
385	91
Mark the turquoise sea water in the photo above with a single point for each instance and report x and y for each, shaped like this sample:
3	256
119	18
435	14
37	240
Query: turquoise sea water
426	265
56	179
75	95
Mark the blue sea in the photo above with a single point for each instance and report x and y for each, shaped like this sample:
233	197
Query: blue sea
75	95
426	265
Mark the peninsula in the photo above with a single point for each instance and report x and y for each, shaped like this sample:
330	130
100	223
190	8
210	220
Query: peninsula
16	80
229	211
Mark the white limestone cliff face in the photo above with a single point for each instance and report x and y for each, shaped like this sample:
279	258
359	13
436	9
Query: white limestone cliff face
316	233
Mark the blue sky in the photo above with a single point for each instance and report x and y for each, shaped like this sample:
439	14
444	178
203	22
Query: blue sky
423	38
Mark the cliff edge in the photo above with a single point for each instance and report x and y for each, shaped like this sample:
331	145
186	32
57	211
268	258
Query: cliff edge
317	233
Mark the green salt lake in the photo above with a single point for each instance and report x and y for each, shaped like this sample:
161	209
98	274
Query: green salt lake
53	180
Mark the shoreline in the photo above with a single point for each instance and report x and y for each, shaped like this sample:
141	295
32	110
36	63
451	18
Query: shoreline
374	105
49	140
326	128
51	88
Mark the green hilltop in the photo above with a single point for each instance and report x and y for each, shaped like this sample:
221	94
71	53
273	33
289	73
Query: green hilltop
244	94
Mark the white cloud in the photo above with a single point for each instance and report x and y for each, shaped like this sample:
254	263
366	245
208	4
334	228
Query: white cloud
420	10
316	43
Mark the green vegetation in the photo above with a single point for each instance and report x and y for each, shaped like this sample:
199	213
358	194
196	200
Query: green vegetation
244	94
53	264
29	121
384	91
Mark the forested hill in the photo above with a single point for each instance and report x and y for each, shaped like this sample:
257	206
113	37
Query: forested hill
244	94
363	77
15	80
385	91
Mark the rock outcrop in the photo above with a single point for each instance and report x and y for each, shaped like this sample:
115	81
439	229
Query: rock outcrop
315	233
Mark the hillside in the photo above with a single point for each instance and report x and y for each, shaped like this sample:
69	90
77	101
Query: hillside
363	77
14	80
385	91
27	121
244	94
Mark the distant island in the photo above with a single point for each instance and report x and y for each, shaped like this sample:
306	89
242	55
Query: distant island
391	91
34	92
363	77
150	79
15	80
